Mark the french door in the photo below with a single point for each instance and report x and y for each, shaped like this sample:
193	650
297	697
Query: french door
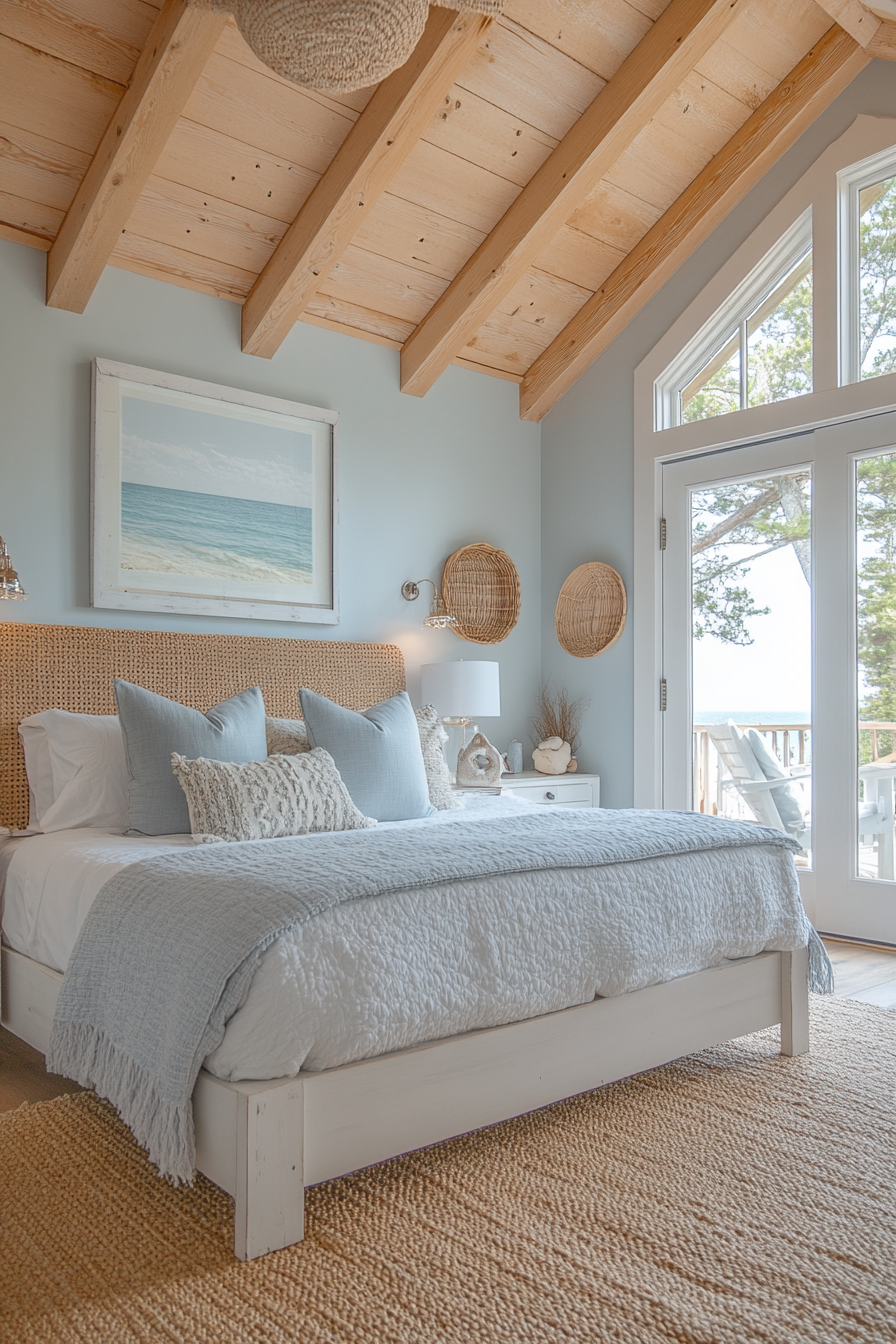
779	655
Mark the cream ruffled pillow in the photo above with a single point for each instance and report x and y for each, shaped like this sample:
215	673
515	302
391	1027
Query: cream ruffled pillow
263	800
432	735
286	737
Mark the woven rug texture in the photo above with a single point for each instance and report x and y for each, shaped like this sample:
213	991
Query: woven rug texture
733	1196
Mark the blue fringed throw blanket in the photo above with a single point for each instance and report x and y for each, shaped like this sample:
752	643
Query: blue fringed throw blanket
168	949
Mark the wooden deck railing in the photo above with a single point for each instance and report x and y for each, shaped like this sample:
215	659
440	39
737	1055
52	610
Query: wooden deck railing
875	729
790	742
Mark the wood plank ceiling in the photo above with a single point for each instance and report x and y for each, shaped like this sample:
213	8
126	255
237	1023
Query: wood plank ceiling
507	201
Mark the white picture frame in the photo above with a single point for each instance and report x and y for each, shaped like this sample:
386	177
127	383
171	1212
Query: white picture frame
209	500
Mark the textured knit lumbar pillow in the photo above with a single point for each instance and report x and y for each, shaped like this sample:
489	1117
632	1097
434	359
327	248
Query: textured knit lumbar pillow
377	753
286	737
263	800
154	727
432	735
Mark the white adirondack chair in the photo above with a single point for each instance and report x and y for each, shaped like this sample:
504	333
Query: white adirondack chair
751	782
763	796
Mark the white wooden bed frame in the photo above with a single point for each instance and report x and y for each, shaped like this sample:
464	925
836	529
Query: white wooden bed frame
264	1142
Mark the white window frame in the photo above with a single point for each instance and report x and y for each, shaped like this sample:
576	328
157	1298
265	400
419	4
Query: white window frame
829	403
850	182
730	316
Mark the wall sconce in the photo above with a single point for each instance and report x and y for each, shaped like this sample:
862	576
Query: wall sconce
439	617
10	588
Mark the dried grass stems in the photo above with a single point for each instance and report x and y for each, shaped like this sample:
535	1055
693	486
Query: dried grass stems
558	716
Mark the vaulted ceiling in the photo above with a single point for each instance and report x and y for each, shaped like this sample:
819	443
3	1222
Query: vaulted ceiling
507	201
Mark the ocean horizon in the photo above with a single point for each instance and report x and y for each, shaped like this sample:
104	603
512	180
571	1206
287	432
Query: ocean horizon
783	716
171	531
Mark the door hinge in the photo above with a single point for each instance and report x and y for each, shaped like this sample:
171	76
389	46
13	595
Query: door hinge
662	695
662	534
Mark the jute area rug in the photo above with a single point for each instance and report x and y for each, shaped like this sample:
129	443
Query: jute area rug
731	1196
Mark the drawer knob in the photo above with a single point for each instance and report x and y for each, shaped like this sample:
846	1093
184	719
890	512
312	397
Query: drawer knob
550	796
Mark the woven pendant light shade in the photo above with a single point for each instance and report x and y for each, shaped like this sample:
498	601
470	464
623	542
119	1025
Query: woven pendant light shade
590	612
339	45
481	588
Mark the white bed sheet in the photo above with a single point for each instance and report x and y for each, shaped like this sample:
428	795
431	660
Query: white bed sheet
385	973
49	882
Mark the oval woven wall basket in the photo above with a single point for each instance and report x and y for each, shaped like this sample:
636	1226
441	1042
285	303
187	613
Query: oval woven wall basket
591	608
481	588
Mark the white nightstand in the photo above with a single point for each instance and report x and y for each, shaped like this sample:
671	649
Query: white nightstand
576	790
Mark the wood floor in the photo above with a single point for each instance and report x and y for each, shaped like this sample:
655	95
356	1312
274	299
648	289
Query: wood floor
864	973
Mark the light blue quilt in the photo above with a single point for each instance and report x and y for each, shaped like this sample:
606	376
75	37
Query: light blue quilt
168	949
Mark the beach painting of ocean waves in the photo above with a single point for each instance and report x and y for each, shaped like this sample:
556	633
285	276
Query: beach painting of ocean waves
170	531
218	501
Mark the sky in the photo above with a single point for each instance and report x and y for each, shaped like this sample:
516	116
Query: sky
180	444
773	673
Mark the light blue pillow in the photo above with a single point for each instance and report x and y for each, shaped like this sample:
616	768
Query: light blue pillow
377	753
785	798
154	727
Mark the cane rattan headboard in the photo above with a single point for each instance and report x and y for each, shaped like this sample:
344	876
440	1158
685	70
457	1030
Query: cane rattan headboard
72	667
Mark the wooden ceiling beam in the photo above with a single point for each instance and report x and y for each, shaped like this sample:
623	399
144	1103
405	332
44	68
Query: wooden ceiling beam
883	43
372	153
682	34
853	17
179	44
775	125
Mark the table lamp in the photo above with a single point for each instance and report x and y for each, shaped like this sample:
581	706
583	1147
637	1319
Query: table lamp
461	693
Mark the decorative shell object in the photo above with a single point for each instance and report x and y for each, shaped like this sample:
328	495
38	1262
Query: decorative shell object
479	764
552	756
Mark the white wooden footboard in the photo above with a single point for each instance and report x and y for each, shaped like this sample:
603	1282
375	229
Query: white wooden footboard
263	1142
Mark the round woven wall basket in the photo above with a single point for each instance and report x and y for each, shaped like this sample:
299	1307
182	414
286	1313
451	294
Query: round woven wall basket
590	613
481	589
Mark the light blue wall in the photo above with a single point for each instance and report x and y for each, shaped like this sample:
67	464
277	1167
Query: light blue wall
418	477
587	448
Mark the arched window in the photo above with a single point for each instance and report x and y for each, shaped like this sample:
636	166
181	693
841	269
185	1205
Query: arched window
757	346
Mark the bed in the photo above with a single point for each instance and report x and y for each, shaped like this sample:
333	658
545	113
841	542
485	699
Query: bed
356	1099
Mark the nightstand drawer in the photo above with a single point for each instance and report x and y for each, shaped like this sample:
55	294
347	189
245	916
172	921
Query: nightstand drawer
566	794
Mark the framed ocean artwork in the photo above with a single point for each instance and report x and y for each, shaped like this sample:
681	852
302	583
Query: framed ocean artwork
208	500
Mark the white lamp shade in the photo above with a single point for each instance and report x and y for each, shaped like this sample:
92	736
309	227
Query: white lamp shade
462	690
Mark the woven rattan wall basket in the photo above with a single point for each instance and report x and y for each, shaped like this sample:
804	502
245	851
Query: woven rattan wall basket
590	613
481	589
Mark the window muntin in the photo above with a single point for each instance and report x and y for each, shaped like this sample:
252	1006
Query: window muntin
757	346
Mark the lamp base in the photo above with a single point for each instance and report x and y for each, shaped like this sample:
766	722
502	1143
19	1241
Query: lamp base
457	730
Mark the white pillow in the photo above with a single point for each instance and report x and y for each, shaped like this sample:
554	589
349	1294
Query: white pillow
38	768
77	771
265	800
